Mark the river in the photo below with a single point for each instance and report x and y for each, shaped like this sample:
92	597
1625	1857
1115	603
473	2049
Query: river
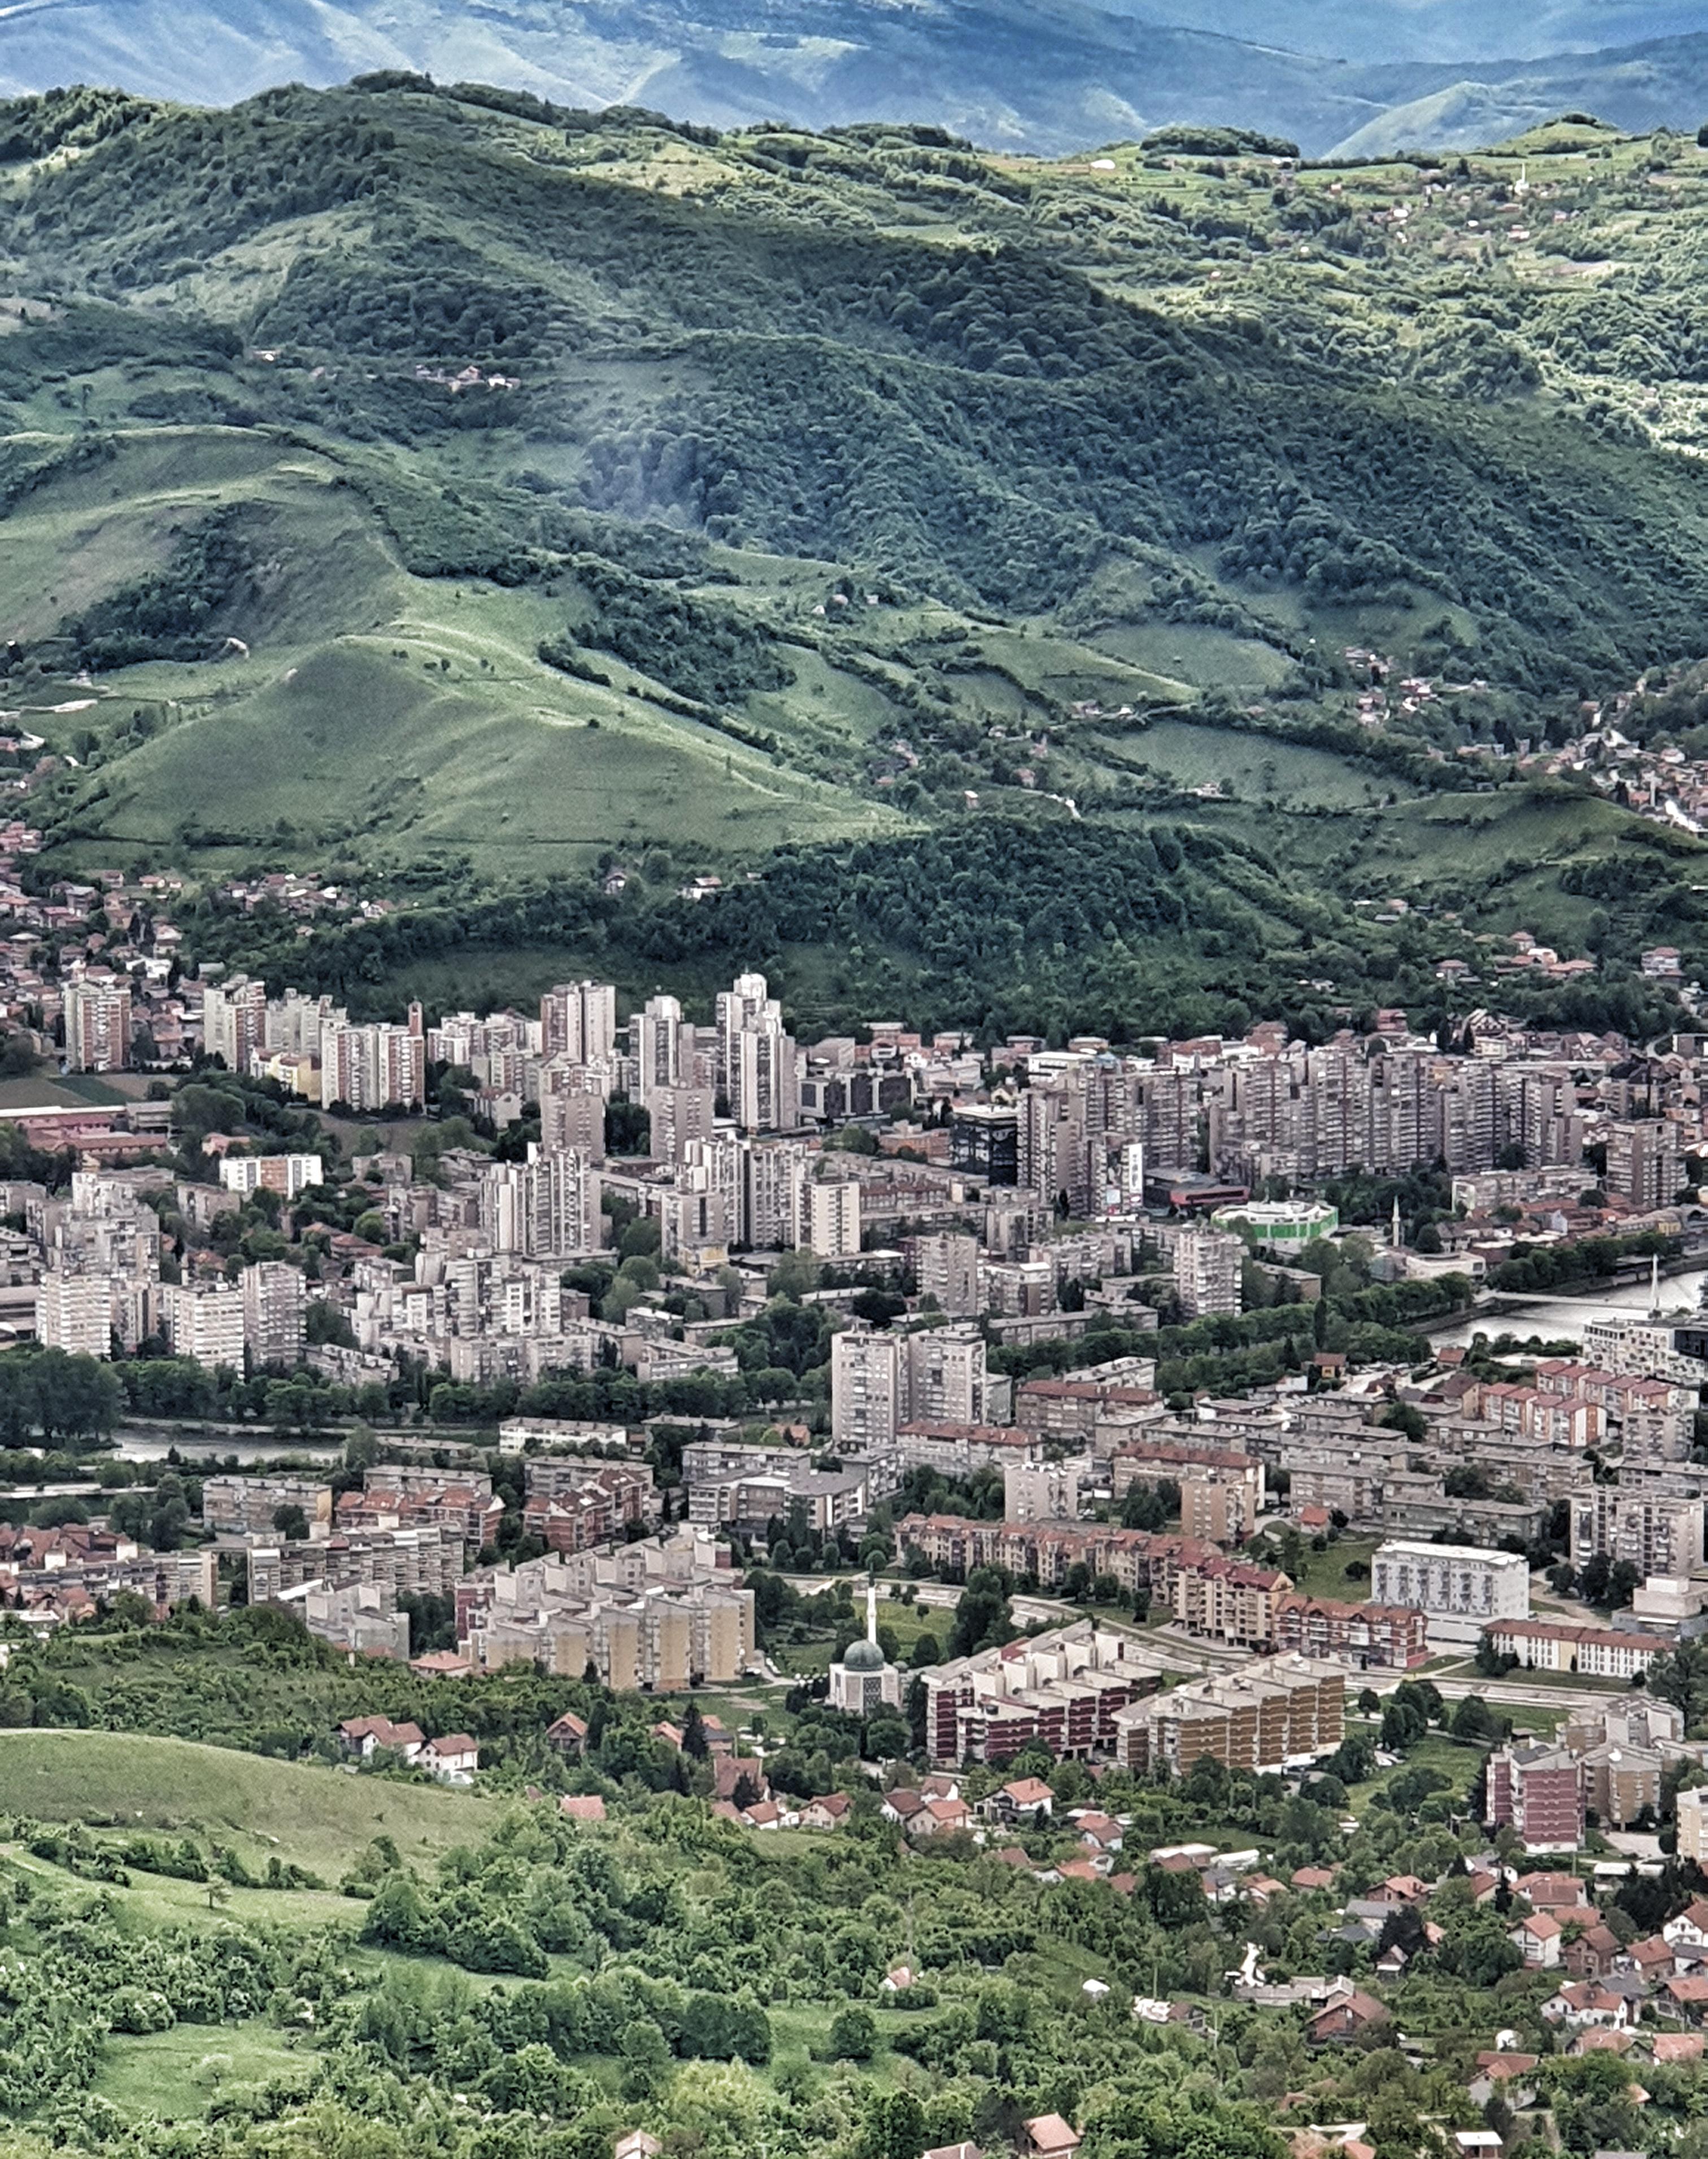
1564	1319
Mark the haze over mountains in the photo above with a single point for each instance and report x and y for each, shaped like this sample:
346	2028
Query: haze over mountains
1048	76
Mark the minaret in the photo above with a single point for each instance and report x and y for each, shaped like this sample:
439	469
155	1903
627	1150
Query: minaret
871	1610
1394	1237
1654	1286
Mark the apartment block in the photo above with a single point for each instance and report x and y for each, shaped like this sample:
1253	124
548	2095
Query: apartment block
1547	1645
1657	1532
424	1560
249	1506
881	1380
1537	1790
946	1270
1460	1587
1370	1637
1065	1688
97	1026
1207	1264
578	1021
289	1175
204	1323
638	1614
572	1505
275	1311
1271	1714
73	1313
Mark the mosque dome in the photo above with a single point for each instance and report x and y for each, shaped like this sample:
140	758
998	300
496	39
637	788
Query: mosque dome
862	1656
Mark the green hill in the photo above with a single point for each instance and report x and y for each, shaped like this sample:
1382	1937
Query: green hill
314	1818
452	492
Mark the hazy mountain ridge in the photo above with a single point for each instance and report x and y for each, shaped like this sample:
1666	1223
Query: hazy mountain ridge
1047	75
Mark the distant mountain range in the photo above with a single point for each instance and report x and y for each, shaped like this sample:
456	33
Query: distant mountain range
1047	75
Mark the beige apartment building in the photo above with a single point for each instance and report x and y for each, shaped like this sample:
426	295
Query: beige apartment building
1271	1712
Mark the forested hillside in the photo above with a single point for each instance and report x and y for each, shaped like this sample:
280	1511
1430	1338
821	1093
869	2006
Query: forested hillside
445	487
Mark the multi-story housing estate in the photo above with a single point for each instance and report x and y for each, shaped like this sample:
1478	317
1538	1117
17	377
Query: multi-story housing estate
402	1496
1460	1587
250	1506
1065	1688
880	1380
1271	1714
289	1175
275	1311
578	1021
426	1560
661	1613
205	1323
574	1504
376	1067
1537	1789
1551	1645
1658	1532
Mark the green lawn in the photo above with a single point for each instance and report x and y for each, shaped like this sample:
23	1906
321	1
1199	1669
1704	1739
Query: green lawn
1323	1573
175	2074
319	1818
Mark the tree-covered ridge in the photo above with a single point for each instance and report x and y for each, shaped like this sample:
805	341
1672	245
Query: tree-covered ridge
852	380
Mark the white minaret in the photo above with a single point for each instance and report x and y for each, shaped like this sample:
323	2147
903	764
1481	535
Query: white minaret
1654	1286
1395	1238
871	1610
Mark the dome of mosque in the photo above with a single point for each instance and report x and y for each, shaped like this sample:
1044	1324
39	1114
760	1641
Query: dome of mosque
862	1656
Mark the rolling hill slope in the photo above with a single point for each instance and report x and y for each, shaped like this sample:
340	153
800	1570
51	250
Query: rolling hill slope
448	490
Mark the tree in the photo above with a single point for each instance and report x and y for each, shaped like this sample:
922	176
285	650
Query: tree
1472	1721
694	1740
853	2035
1681	1678
983	1616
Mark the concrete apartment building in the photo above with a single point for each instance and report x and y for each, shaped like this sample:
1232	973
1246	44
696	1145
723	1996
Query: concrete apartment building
1460	1587
659	1630
1370	1637
578	1021
233	1020
571	1506
426	1560
1693	1825
1064	1687
1039	1491
1548	1645
881	1380
1658	1532
1230	1600
1207	1264
204	1323
73	1313
372	1068
275	1311
1645	1162
97	1027
248	1506
947	1269
1538	1791
1272	1713
289	1175
829	1217
1221	1492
